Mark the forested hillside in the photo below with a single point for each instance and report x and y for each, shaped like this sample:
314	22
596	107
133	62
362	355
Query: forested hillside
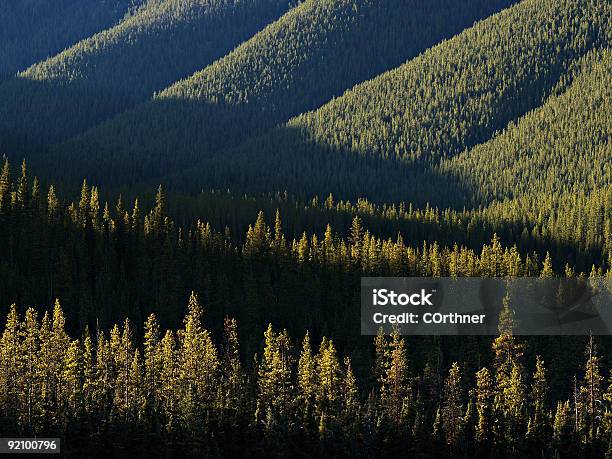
385	138
301	145
110	260
310	55
118	387
562	147
31	30
117	68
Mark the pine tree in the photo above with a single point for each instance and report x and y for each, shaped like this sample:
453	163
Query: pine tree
509	394
547	270
259	238
89	375
84	203
381	358
507	349
275	394
158	214
452	411
327	393
512	404
10	361
232	377
72	381
59	343
104	387
355	239
198	368
123	351
485	397
395	390
306	382
562	428
45	369
591	392
351	408
136	392
30	404
539	431
168	390
5	186
152	365
280	244
22	187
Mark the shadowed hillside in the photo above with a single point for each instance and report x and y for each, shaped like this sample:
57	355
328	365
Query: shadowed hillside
385	138
115	69
31	30
310	55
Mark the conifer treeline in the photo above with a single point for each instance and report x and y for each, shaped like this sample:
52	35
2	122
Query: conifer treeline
182	391
108	264
574	228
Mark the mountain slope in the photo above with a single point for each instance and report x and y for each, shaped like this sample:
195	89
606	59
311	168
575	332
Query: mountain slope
120	67
384	138
31	30
562	147
310	55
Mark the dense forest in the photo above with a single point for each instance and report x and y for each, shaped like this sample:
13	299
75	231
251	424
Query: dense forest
265	81
189	396
301	145
126	387
385	138
118	68
107	261
544	148
31	30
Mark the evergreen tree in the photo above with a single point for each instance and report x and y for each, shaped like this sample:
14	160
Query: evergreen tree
307	381
485	398
232	376
327	392
275	396
539	430
452	411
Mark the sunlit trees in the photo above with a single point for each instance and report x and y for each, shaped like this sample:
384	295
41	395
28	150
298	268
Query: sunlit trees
183	390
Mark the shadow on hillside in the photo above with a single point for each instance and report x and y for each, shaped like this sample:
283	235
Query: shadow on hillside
35	114
193	145
285	159
149	142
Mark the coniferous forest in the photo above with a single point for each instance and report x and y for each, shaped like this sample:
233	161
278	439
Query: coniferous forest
192	190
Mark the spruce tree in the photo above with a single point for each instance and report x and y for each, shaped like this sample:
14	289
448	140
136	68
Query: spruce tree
539	430
485	399
452	410
306	383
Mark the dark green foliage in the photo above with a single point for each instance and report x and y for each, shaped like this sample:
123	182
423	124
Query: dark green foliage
109	261
31	30
103	75
486	155
561	147
385	139
312	54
